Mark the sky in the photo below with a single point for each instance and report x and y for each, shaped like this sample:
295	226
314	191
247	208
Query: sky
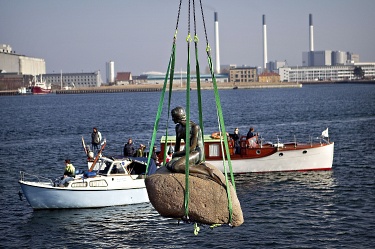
82	35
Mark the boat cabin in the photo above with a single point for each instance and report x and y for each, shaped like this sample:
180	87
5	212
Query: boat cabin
122	166
249	148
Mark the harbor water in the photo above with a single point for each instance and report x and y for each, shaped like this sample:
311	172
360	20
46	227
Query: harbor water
321	209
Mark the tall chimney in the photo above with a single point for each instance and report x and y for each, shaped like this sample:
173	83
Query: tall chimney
311	33
264	43
217	50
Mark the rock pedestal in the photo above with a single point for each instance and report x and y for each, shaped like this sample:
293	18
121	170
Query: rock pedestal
208	202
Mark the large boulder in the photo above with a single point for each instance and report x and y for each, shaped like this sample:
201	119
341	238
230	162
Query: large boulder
208	202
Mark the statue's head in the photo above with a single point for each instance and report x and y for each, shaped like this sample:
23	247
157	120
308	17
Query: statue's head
178	114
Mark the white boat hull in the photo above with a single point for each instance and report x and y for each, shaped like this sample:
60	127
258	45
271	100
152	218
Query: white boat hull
116	181
45	196
316	158
267	157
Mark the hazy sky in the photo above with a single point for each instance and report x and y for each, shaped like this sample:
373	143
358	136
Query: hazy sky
82	35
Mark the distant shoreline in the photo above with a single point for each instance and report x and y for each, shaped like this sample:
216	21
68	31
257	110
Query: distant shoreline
193	86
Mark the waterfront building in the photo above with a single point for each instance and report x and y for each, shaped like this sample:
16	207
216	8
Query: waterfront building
273	66
269	77
11	62
179	78
328	58
124	78
243	74
110	72
326	73
79	80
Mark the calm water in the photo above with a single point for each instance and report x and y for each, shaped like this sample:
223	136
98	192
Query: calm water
333	209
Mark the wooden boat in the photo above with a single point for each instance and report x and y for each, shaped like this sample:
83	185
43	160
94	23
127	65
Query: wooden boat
114	181
257	156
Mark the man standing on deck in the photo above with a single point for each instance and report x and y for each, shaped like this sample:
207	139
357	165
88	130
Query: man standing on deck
96	139
129	148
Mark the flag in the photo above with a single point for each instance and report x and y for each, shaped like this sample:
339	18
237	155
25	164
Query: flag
325	133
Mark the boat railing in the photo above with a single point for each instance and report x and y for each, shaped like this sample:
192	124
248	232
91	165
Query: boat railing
24	175
311	141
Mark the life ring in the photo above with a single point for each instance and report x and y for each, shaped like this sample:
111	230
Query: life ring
216	135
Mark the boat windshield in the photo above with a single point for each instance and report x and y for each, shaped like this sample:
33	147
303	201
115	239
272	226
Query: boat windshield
105	168
117	169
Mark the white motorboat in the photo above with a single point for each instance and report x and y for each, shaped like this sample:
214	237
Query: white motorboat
114	181
257	156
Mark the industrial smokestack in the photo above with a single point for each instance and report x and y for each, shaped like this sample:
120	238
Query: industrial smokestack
311	33
217	50
264	43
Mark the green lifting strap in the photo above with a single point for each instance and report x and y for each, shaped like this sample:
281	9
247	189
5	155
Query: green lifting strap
197	69
187	126
221	121
160	107
170	73
187	135
170	70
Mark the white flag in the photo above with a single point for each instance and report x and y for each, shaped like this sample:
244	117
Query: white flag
325	133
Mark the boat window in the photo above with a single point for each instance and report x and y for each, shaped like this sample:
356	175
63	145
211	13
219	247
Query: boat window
98	183
281	154
304	152
79	185
258	152
214	150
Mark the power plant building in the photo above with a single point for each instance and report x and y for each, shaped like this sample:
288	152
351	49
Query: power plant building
328	58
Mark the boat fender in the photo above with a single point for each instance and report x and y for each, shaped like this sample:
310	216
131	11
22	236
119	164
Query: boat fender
216	135
91	154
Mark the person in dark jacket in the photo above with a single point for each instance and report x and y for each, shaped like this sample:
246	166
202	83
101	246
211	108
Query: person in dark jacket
154	156
129	148
237	140
252	138
251	133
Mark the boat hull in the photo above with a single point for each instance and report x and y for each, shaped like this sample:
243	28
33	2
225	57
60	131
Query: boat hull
45	196
39	90
307	159
268	157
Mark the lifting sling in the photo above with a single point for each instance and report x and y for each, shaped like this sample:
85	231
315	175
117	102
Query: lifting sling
170	75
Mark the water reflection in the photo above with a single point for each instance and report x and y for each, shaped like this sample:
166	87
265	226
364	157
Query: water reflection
313	179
